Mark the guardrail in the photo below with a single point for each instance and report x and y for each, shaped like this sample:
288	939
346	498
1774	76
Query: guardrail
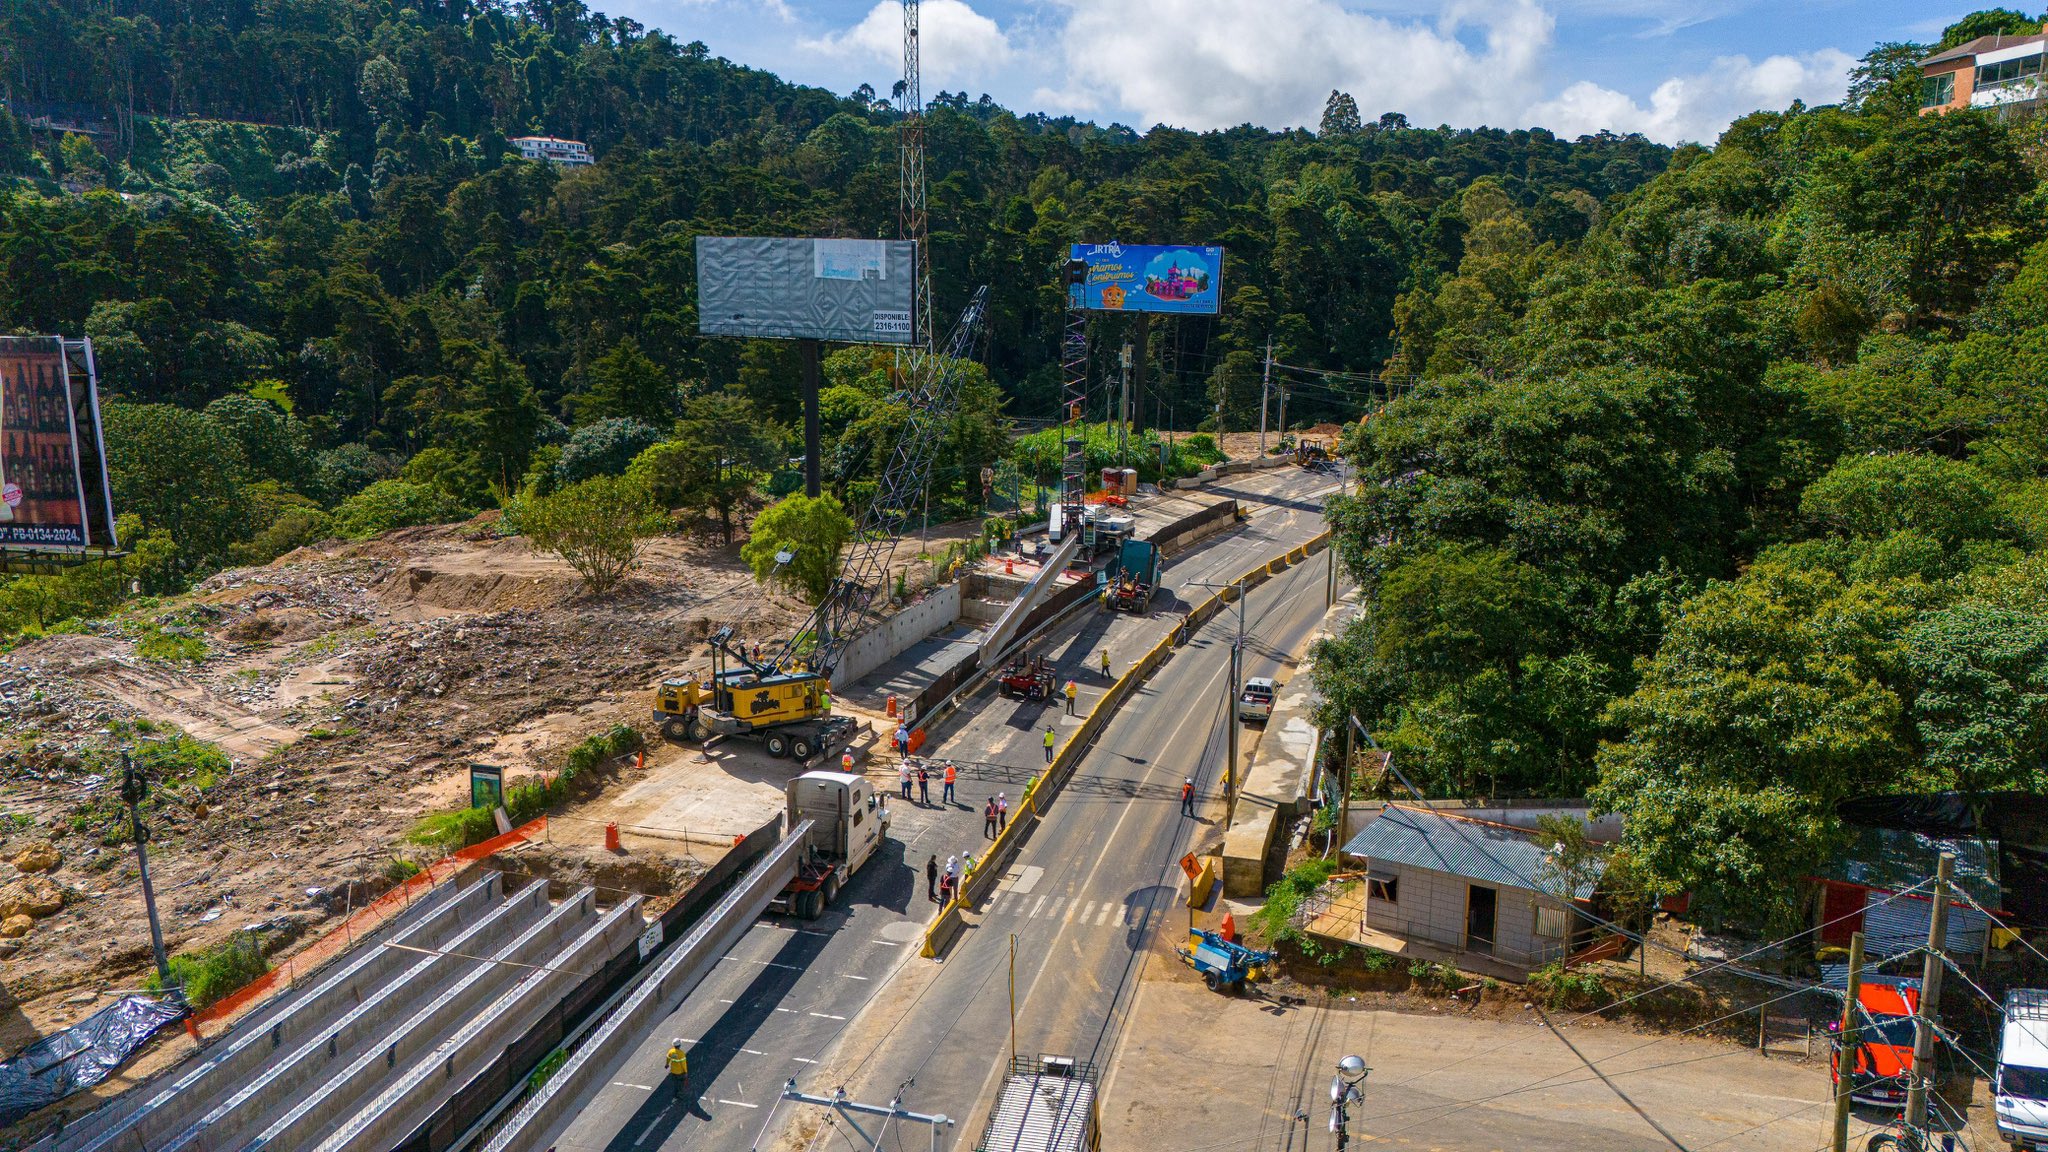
1045	787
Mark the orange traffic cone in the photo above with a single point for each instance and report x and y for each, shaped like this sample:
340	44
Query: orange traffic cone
1229	929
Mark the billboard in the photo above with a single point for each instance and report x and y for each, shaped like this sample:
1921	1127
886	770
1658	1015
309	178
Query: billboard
847	291
1179	279
53	480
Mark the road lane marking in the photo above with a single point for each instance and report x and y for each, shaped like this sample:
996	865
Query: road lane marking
1107	908
737	1103
850	976
647	1131
801	1060
641	1087
827	1016
1037	906
766	963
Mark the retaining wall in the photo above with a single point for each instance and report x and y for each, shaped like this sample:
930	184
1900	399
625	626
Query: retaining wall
937	609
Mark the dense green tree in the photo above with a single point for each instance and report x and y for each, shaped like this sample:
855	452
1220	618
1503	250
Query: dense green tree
604	449
812	531
1770	700
595	525
181	474
625	383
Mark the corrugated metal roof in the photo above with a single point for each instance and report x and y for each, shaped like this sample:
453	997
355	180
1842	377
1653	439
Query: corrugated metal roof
1039	1113
1474	849
1889	859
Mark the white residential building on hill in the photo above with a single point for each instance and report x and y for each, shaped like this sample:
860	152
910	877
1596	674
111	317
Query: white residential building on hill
554	150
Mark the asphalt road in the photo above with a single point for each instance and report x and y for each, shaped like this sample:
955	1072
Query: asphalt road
1091	899
787	1001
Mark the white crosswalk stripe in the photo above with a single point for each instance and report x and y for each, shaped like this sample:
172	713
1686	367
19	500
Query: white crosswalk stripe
1107	908
1037	906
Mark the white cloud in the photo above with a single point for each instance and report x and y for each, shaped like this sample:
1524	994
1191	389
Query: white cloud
1697	107
1216	63
957	45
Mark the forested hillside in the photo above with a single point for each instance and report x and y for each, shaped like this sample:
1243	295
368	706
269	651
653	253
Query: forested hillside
1734	509
320	242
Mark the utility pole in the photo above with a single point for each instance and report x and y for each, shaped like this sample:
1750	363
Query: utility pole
894	1111
1265	391
1930	999
1230	689
134	786
1283	412
1848	1045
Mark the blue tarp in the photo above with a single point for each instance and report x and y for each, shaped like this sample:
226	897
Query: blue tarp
80	1056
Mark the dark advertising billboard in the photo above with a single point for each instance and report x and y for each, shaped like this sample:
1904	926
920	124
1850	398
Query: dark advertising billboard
1179	279
53	485
845	291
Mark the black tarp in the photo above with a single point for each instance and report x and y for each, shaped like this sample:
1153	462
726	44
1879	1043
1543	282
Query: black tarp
80	1056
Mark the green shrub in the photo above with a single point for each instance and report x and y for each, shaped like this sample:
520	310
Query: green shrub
1576	990
390	504
212	973
448	831
398	870
1276	919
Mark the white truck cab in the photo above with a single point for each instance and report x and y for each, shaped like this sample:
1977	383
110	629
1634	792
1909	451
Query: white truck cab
848	824
2020	1092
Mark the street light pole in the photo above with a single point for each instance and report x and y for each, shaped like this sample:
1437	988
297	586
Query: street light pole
1351	1072
133	788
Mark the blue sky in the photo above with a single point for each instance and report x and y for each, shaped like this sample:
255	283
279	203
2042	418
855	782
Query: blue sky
1673	69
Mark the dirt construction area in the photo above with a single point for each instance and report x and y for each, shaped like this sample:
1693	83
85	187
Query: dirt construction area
298	720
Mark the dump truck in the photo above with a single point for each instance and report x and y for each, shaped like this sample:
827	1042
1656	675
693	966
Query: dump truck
1135	577
848	824
787	710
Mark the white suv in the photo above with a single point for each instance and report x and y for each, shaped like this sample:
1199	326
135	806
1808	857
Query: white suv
2020	1093
1256	701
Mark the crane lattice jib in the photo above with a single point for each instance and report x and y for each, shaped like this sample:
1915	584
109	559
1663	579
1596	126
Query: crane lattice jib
1074	406
930	393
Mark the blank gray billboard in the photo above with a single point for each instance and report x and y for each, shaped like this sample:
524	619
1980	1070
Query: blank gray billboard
847	291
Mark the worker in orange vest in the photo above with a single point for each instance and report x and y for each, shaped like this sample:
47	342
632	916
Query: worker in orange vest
1187	797
952	774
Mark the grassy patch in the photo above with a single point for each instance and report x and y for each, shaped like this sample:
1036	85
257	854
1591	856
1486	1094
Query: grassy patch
211	973
448	831
169	647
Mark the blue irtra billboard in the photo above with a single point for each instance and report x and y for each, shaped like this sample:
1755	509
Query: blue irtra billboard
1176	278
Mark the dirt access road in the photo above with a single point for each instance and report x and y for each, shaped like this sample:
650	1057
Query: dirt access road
1198	1070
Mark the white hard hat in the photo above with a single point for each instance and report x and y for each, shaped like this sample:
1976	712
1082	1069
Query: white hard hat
676	1043
1191	779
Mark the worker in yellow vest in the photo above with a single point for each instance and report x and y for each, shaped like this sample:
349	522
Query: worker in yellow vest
678	1069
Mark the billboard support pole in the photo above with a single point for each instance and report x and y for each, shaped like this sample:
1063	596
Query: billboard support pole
809	354
1142	342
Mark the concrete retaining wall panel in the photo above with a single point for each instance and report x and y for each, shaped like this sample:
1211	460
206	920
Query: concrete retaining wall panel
890	638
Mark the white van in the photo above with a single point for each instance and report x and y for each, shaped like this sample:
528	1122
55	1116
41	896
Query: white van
2020	1100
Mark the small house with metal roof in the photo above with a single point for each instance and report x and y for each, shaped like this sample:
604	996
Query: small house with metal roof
1467	885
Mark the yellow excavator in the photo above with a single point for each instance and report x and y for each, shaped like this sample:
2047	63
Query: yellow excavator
788	709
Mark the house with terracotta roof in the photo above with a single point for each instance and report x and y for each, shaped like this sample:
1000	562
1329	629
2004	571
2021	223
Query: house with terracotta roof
1996	72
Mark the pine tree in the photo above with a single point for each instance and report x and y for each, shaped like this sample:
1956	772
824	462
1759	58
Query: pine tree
1340	115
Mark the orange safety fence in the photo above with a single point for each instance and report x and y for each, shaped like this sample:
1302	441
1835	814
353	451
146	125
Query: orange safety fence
365	919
